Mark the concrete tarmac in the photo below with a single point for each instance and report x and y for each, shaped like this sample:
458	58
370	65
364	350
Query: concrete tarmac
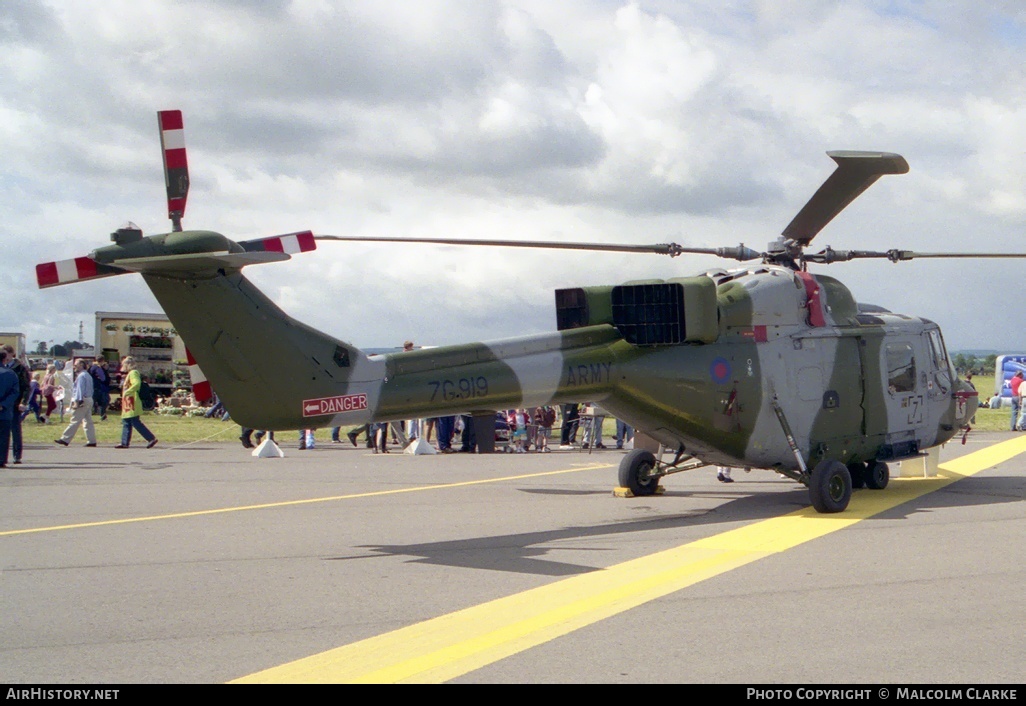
202	564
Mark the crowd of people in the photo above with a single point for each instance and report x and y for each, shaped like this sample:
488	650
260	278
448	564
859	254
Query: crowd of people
522	429
42	394
519	430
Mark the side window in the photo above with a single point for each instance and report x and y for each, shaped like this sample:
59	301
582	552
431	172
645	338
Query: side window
901	367
341	357
940	357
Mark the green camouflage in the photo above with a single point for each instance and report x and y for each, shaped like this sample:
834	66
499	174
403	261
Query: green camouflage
715	399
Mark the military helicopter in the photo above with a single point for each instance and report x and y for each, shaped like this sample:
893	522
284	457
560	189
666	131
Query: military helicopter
764	366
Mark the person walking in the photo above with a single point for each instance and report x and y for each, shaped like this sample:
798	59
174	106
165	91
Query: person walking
81	407
49	388
247	437
24	386
101	386
1020	423
379	432
131	406
1013	385
544	418
446	427
9	396
35	398
571	418
624	433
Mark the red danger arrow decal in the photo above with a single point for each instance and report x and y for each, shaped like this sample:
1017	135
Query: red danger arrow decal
334	405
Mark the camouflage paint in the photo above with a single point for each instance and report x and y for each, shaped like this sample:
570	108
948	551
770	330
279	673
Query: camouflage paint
784	339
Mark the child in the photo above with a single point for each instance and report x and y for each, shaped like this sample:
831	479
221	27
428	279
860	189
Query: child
544	417
518	423
35	399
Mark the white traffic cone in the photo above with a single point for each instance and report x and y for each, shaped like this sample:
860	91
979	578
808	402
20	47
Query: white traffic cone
419	447
268	449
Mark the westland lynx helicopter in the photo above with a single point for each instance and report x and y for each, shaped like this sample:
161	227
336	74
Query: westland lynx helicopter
763	366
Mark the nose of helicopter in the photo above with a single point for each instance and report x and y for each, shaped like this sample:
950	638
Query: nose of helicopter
966	402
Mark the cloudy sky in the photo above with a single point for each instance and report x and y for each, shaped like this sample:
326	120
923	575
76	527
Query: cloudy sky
703	122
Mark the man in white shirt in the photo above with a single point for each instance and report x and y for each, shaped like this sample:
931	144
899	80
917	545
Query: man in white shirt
81	407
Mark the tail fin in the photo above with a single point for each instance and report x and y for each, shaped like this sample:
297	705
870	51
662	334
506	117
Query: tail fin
261	362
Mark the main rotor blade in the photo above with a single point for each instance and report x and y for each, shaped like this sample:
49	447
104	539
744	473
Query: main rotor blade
671	249
830	255
909	254
856	172
290	243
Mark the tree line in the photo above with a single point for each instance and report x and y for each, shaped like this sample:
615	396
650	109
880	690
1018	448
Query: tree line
968	363
57	350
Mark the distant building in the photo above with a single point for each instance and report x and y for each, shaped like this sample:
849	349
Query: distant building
158	350
15	339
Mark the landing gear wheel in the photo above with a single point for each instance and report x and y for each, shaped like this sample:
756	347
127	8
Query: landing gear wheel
857	471
877	475
830	487
634	472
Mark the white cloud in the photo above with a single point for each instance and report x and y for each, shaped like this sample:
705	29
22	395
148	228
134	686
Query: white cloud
649	121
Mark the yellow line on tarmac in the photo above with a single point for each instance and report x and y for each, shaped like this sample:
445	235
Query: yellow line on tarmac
449	646
307	501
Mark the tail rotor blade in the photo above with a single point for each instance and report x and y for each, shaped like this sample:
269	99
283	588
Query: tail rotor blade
201	389
176	167
52	274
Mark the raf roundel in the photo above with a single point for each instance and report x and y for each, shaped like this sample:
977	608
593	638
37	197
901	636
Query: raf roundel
719	371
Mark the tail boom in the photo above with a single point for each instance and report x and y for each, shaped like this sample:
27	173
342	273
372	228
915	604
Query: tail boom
273	372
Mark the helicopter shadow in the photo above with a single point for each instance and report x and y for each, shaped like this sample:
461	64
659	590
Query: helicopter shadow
531	553
963	493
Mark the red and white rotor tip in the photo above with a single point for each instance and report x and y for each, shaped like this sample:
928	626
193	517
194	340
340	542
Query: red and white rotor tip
176	166
201	389
51	274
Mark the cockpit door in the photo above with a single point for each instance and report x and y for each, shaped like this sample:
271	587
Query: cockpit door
906	372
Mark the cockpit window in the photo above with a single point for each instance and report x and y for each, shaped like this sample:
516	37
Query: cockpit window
341	357
901	367
940	356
